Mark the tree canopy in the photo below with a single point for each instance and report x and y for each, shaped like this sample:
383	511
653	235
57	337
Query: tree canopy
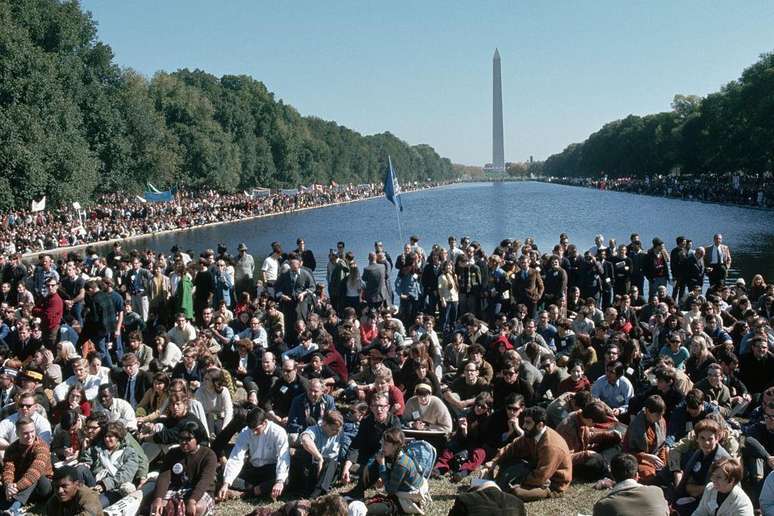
726	131
74	124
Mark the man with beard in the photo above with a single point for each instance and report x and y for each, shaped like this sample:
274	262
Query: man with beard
538	464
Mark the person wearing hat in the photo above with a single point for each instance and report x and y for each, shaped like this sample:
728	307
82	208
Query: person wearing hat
423	411
244	269
31	380
190	466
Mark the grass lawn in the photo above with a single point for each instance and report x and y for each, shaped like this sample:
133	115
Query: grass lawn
579	498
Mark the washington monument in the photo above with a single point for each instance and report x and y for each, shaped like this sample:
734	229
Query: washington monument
498	153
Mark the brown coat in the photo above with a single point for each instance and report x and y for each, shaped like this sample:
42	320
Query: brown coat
531	288
550	456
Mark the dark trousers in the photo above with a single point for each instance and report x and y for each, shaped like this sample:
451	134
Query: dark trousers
251	477
40	490
224	436
305	474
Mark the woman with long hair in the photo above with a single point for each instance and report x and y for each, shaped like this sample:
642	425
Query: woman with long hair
407	490
149	408
449	296
353	286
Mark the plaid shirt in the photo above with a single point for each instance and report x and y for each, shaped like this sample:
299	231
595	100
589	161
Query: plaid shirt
25	465
402	475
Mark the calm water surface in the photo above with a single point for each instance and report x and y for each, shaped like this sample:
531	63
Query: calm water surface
490	212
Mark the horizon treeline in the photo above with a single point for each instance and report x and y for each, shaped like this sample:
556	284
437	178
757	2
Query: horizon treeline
74	124
726	131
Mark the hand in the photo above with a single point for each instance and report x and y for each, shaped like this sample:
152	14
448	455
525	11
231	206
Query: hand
10	491
345	476
770	461
285	298
420	425
380	458
654	459
320	464
223	492
190	507
157	507
276	490
99	488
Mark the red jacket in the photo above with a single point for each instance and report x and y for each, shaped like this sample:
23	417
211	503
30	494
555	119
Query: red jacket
50	309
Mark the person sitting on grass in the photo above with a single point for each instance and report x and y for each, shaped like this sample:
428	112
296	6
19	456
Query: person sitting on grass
628	497
724	495
71	497
406	488
190	468
26	469
538	464
110	465
314	465
645	438
260	460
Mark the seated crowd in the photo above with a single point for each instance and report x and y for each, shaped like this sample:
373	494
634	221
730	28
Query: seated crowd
174	383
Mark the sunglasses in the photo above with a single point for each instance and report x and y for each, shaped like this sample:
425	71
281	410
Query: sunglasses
24	405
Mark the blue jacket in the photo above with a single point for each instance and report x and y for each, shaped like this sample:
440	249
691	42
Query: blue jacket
303	414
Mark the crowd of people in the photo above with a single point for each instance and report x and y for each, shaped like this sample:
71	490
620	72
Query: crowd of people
170	383
117	216
741	189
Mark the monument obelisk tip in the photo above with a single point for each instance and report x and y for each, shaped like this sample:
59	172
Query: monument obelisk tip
497	54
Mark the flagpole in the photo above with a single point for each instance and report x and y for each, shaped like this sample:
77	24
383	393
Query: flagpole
396	194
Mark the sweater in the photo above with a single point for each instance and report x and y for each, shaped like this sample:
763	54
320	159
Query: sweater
200	467
435	414
549	456
24	465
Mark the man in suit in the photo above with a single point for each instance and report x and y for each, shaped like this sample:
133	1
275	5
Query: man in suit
527	286
131	382
694	269
294	289
8	390
718	261
628	497
375	280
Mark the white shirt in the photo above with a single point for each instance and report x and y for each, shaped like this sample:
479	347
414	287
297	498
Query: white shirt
271	447
8	427
270	268
90	386
120	410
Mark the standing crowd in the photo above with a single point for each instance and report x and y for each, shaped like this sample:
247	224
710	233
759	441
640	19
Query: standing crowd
166	383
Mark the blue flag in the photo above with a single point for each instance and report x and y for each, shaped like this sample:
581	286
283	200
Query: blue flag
391	186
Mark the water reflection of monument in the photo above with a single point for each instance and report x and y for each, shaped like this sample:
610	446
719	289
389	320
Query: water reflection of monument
496	169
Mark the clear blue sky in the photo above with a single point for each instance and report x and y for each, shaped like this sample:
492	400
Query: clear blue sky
423	69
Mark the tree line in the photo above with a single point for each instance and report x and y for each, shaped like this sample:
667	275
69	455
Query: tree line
74	124
726	131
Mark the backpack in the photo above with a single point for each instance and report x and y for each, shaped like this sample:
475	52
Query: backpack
423	454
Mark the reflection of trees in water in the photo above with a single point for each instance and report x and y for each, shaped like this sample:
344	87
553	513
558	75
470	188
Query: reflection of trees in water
755	256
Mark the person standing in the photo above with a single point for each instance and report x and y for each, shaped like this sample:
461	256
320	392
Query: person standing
99	320
718	261
139	288
244	268
375	283
294	289
656	267
678	259
526	286
306	255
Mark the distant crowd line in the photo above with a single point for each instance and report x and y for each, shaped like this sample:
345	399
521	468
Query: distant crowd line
118	216
741	189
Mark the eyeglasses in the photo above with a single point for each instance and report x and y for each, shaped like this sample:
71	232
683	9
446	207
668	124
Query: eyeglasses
25	405
471	370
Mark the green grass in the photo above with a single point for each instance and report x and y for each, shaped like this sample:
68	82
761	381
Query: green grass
579	498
